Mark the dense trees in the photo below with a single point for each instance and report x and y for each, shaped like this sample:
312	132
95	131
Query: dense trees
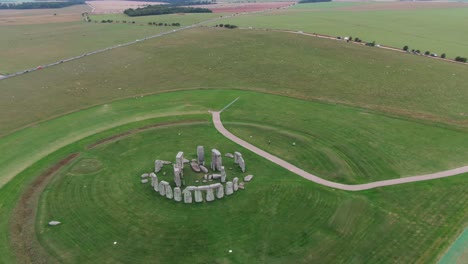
163	10
460	59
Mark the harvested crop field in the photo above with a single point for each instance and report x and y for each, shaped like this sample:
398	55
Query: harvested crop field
245	7
42	16
403	6
104	7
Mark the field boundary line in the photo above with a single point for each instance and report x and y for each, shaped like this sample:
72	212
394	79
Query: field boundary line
228	105
311	177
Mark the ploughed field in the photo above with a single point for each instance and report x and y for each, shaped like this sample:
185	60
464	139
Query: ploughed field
355	114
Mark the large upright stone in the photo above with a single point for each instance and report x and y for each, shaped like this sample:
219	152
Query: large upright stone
198	196
177	194
216	160
158	164
235	184
223	174
229	188
180	160
219	190
169	193
237	155
162	188
209	195
187	196
177	176
241	164
154	179
201	155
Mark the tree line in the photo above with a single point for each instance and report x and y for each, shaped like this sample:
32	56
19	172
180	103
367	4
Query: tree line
313	1
39	5
164	10
428	53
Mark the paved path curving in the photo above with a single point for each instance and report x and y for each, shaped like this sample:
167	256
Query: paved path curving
358	187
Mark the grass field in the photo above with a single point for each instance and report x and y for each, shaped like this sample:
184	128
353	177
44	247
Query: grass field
437	30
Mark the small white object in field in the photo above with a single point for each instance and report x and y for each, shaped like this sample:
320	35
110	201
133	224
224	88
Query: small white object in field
230	251
250	136
179	134
115	242
294	143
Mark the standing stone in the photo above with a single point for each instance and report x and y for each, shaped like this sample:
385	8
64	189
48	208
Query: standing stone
220	192
169	193
223	174
216	160
154	179
187	196
158	164
198	196
180	160
177	176
201	155
162	188
177	194
235	183
229	188
241	164
209	195
237	155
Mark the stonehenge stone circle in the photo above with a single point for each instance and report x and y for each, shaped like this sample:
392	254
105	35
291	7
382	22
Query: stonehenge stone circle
180	160
201	155
154	179
177	194
162	188
187	196
237	155
248	178
229	188
235	183
241	164
216	160
158	164
198	196
177	176
209	195
223	174
169	193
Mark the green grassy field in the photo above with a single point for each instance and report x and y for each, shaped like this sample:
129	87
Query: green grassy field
183	19
437	30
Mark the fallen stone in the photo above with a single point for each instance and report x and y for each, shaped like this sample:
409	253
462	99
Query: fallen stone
195	167
194	160
54	223
203	168
229	155
144	181
144	175
216	176
165	162
197	181
248	178
204	181
186	161
241	186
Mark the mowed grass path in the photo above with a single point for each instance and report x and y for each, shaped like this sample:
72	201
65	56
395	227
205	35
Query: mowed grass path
436	30
278	218
280	63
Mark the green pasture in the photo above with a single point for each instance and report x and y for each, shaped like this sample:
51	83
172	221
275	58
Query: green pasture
436	30
280	63
329	5
183	19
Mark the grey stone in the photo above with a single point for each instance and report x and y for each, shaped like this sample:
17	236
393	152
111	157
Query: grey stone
164	173
216	160
187	196
235	183
180	160
144	181
229	188
177	194
169	193
162	188
177	176
203	168
54	223
186	161
223	174
216	176
158	164
201	155
198	196
248	178
205	176
197	181
220	191
210	177
241	186
237	155
216	185
144	175
191	188
209	195
195	167
229	155
154	179
203	187
241	164
165	162
204	181
194	160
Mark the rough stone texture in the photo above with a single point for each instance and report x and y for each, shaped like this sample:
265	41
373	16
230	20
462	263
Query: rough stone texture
198	196
154	179
165	162
229	155
161	188
241	164
187	196
203	168
220	192
235	183
223	174
186	161
201	155
209	195
248	178
177	194
216	176
158	164
54	223
144	181
203	187
216	160
229	188
195	167
177	176
169	193
241	185
180	160
144	175
237	155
